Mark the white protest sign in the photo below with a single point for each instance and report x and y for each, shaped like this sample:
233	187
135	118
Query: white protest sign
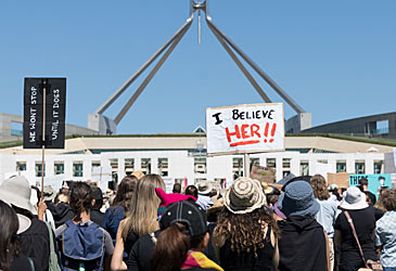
245	128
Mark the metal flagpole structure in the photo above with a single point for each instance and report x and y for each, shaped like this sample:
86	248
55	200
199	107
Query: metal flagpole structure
236	54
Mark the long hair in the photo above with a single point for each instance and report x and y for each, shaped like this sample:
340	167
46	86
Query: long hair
142	214
318	184
125	191
80	199
172	246
244	232
8	243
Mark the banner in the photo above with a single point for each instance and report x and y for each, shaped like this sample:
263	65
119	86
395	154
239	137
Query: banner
375	181
245	128
55	95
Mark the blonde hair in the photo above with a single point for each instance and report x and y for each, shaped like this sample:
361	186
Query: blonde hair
142	214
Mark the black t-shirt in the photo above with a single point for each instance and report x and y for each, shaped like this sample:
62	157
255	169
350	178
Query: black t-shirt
364	221
22	263
35	244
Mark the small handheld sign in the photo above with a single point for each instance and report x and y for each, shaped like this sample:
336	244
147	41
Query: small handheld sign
44	115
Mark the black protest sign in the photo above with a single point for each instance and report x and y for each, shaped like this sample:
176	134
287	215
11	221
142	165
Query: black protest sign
55	101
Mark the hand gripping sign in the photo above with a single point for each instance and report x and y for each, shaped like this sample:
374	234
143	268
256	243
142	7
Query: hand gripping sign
245	128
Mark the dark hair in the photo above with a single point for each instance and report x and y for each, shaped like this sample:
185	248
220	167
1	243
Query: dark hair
363	181
80	198
125	191
176	188
8	242
319	187
172	246
97	195
388	199
192	190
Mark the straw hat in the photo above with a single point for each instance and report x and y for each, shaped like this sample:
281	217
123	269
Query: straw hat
244	196
204	187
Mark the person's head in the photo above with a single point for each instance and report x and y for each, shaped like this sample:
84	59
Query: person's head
191	190
245	209
388	200
354	199
363	184
8	241
142	214
176	188
204	188
319	187
298	200
125	191
183	227
97	197
80	198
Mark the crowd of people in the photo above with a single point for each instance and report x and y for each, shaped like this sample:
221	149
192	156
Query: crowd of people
301	224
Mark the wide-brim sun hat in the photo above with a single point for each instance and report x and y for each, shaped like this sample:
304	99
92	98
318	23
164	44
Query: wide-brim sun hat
204	187
16	191
353	199
298	200
244	196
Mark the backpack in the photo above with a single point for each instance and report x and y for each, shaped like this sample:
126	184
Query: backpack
53	257
83	247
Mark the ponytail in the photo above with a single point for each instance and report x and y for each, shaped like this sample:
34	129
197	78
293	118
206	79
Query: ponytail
80	199
172	246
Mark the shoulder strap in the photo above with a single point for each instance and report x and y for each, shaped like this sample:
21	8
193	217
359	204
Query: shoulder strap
350	221
52	247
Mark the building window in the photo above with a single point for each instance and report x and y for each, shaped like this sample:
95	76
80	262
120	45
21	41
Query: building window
254	162
163	167
39	169
114	164
59	167
129	166
77	169
271	162
286	162
200	165
146	166
378	166
21	166
341	166
237	167
222	182
304	168
360	167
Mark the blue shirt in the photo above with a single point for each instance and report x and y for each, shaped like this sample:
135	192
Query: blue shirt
385	236
327	215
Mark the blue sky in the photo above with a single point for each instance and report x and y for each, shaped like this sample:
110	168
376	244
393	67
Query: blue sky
336	58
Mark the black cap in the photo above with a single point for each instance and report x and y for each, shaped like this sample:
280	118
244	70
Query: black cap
186	213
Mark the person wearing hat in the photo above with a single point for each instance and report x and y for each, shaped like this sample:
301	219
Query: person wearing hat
33	233
10	257
184	236
348	257
303	245
246	233
204	192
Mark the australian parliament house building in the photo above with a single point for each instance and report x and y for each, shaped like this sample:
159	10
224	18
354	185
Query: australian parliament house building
182	157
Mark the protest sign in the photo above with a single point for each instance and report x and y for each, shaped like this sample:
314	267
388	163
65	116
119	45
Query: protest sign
55	100
263	174
245	129
375	181
340	179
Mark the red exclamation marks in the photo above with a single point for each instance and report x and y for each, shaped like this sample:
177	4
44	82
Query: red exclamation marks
266	130
273	133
